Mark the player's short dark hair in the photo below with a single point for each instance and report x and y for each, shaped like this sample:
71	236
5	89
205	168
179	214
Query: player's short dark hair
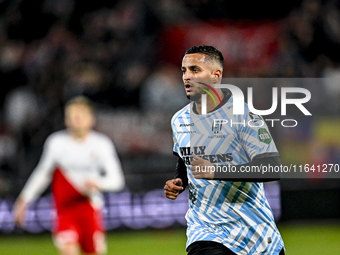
211	53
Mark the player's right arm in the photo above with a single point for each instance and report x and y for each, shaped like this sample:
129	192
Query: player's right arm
176	185
36	184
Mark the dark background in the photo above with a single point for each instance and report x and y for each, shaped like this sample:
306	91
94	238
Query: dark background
126	57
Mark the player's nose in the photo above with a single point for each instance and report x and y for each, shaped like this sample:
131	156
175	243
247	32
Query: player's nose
187	76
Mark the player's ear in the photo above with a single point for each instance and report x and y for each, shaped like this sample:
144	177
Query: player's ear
217	76
218	73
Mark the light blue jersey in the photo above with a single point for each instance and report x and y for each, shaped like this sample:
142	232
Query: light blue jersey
235	214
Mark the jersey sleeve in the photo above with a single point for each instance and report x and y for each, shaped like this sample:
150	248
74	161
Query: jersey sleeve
174	138
113	177
176	146
254	135
42	174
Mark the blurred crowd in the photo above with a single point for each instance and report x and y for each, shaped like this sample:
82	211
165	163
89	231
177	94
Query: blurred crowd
52	50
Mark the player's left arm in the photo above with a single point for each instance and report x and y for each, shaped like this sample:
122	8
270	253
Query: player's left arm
111	176
175	186
38	181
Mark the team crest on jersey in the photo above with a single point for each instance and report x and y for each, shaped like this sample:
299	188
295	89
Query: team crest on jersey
217	126
264	136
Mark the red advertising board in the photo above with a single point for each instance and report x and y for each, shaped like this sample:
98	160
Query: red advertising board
246	46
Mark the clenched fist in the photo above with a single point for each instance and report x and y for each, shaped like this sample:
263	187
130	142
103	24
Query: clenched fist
173	187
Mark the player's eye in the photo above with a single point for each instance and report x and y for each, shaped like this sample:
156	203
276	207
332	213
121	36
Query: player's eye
195	70
183	71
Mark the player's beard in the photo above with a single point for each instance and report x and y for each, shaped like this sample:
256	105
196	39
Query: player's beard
195	96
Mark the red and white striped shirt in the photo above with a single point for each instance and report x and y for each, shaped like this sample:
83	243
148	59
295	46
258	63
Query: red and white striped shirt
68	164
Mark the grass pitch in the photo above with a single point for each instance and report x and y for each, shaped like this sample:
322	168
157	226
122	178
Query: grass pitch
300	239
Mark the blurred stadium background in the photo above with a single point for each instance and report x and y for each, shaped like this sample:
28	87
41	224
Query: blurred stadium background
126	56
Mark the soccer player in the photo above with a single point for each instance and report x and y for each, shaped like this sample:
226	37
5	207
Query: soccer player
228	214
80	163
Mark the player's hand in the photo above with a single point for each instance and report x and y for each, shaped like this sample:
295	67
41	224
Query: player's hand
19	212
173	187
201	168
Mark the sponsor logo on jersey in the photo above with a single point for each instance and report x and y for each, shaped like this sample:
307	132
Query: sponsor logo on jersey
186	132
187	125
264	136
200	151
217	136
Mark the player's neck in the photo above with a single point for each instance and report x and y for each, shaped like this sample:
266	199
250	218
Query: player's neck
79	136
210	102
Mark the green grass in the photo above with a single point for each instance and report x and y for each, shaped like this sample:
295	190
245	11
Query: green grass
152	242
311	238
300	239
165	242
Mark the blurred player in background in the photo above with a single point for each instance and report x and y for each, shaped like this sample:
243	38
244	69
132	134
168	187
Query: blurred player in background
227	214
80	163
